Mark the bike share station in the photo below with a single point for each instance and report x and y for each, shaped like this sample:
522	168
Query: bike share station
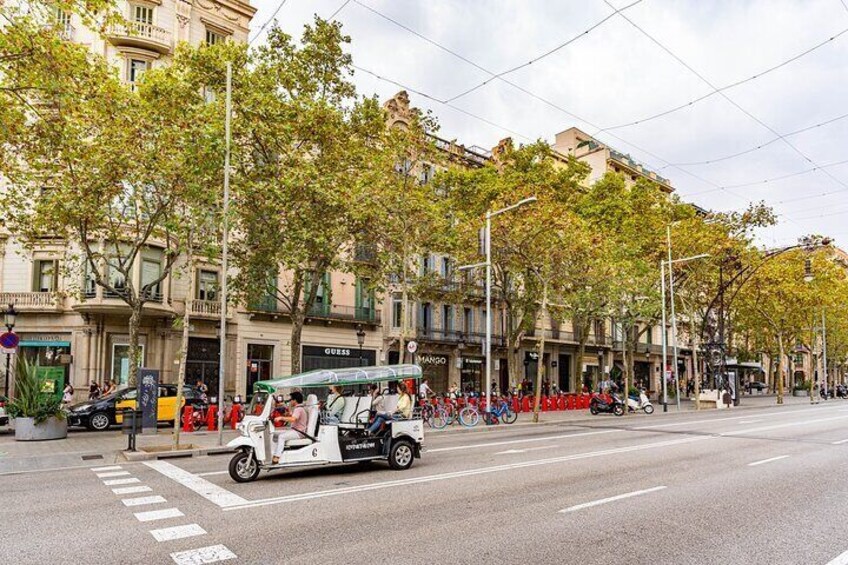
143	418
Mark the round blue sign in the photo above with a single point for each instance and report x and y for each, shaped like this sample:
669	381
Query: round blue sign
9	340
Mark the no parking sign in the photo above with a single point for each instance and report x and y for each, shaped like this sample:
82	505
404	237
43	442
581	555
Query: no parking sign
9	342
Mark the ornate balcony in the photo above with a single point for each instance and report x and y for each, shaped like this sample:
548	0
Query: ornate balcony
206	309
32	301
139	34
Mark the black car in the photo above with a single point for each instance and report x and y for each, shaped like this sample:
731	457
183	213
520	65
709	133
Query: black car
100	414
759	386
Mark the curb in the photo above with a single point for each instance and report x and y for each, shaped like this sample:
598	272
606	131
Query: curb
182	453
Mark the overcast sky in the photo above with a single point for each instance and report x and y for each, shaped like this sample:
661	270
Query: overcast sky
615	75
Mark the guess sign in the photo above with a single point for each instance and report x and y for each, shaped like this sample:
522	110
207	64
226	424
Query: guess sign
337	352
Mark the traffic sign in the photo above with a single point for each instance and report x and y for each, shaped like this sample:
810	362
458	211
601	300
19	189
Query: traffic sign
9	340
412	347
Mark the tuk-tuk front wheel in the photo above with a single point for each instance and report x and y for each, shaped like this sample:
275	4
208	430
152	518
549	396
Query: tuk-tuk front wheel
401	455
244	467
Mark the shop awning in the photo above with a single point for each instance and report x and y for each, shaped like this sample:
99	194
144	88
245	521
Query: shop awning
36	343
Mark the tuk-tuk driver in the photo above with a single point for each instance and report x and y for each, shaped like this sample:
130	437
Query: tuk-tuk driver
298	419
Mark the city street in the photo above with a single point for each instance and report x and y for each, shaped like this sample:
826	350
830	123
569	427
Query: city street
759	485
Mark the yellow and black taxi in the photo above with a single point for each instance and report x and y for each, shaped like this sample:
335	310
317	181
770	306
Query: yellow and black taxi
107	411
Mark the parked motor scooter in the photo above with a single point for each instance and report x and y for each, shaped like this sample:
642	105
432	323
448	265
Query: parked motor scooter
642	403
599	404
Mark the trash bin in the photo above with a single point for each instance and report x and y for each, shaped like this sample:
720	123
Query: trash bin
131	426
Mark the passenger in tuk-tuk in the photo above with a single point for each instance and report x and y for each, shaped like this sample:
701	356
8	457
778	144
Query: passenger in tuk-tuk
335	404
404	409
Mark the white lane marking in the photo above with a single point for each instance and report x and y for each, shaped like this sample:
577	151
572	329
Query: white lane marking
511	451
209	554
131	490
611	499
749	421
210	491
841	560
140	500
212	473
763	461
158	514
114	482
514	441
467	473
840	442
109	468
710	420
507	467
177	532
113	474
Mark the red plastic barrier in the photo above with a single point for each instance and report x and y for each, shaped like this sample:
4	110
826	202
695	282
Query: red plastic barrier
585	398
188	420
544	405
235	415
525	404
561	402
212	418
516	407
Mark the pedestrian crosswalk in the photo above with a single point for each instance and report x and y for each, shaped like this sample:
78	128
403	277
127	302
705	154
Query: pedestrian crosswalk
115	475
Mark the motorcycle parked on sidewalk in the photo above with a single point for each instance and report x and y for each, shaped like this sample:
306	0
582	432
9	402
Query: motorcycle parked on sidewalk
610	404
642	403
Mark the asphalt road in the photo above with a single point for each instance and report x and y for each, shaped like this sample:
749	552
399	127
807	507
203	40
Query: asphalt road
757	486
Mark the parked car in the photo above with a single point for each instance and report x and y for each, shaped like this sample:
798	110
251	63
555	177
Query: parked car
759	386
100	414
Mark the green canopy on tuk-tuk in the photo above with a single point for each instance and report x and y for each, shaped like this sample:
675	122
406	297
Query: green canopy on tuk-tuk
346	376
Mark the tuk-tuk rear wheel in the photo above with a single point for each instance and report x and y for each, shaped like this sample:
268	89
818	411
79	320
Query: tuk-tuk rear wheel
243	467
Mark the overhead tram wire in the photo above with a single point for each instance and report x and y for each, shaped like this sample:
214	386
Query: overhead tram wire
541	99
726	87
268	21
538	58
339	9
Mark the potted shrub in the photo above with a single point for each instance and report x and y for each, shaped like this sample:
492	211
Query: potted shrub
802	388
36	415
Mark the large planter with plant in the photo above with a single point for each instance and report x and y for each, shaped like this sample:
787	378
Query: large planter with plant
37	416
802	389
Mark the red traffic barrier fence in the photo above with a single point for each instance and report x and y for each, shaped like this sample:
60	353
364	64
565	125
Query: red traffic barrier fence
188	418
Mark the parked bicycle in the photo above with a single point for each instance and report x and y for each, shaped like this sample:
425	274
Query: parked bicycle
501	411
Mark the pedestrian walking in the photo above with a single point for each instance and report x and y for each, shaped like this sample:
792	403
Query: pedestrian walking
93	391
68	395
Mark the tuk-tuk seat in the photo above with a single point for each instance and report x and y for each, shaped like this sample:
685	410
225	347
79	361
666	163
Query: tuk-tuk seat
311	406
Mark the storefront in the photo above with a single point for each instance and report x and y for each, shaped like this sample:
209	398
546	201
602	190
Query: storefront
563	372
531	367
203	362
52	354
435	368
260	363
336	357
471	374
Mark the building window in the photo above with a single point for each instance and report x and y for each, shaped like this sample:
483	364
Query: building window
447	317
207	285
214	38
468	327
209	95
649	335
143	15
63	24
426	316
364	307
150	271
121	362
446	268
45	276
397	311
136	68
426	264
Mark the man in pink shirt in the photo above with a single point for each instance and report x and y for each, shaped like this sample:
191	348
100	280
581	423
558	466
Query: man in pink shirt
298	419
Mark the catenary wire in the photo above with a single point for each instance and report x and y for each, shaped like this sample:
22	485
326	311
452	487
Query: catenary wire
772	179
268	21
339	9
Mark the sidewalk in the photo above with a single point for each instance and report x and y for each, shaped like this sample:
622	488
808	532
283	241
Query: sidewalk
83	447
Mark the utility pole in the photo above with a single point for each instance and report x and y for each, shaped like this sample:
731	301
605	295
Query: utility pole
224	255
664	338
824	353
673	318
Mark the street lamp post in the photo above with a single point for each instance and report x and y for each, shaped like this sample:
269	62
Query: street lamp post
360	339
10	316
670	263
488	265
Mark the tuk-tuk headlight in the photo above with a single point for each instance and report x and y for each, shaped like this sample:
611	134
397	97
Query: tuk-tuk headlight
242	429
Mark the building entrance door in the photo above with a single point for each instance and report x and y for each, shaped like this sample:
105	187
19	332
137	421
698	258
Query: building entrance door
564	373
260	359
202	363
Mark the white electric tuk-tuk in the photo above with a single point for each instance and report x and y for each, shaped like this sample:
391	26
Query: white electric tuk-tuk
330	438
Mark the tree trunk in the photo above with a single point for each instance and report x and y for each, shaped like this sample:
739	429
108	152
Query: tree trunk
540	364
404	309
296	333
581	353
184	346
780	370
135	320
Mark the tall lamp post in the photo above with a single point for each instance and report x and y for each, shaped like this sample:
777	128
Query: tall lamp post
488	265
663	264
10	316
360	339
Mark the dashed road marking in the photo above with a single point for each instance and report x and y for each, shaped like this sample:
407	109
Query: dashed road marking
177	532
113	474
611	499
769	460
131	490
109	468
114	482
141	500
212	473
201	555
840	442
158	514
210	491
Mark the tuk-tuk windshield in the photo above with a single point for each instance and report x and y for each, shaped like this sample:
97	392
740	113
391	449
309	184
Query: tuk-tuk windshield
257	403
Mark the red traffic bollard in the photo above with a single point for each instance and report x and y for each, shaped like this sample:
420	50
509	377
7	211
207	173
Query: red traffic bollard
188	419
235	415
212	418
